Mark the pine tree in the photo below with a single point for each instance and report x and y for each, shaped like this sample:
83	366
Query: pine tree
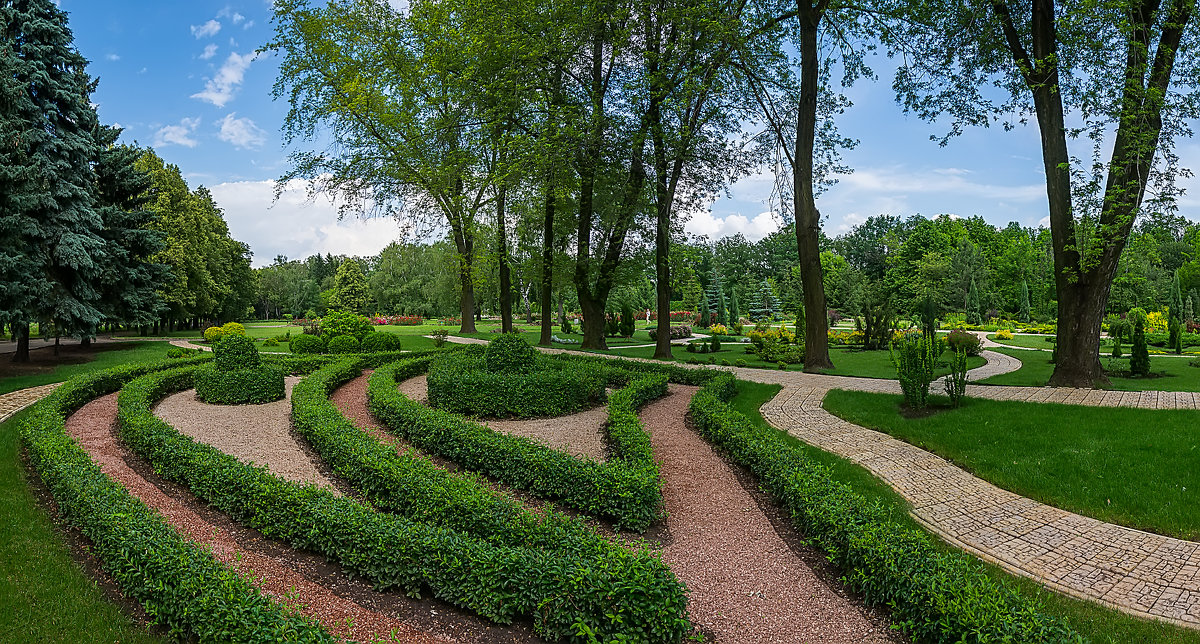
47	205
1023	313
1139	357
349	287
735	313
716	299
973	316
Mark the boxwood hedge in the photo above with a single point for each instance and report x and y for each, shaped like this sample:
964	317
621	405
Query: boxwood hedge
627	491
935	595
463	382
261	384
178	582
613	594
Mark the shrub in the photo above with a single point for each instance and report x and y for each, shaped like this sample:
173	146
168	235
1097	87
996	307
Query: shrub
956	382
236	352
718	329
1004	334
566	327
233	328
509	352
677	332
270	342
741	362
1175	335
612	326
1139	357
214	334
305	343
737	328
934	594
378	341
439	338
461	383
175	353
915	357
345	323
343	344
253	386
627	325
715	344
964	340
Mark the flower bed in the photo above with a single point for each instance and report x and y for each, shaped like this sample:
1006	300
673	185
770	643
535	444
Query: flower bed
398	320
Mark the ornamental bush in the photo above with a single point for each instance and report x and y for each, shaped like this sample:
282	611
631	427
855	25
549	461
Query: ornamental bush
237	375
233	328
236	352
214	334
345	323
915	356
510	352
1139	358
959	340
305	343
1004	334
677	332
379	341
462	383
343	344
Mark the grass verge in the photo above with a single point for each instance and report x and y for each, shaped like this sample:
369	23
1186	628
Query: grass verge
1167	373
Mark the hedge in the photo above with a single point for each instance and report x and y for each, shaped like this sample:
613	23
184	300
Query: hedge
178	582
629	493
462	382
933	595
261	384
617	593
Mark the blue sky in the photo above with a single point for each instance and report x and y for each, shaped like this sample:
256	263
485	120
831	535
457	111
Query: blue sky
184	78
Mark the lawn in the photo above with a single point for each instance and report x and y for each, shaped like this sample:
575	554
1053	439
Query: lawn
1036	341
1169	373
75	361
1098	624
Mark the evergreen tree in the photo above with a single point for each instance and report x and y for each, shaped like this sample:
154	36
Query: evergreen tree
1177	311
716	300
764	306
350	288
1023	313
47	206
1139	357
973	316
735	312
1189	309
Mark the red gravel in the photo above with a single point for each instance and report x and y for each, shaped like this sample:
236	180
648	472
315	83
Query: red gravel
746	584
94	427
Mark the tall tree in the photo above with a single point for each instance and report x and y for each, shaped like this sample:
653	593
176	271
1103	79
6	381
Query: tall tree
1122	68
350	288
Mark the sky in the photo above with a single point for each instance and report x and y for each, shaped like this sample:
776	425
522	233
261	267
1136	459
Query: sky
185	78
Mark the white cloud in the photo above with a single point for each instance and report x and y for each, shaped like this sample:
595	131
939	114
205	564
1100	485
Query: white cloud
234	17
294	226
206	30
210	50
706	223
177	134
249	24
898	180
220	89
242	133
113	57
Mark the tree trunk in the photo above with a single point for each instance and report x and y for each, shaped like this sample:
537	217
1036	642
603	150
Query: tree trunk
506	323
548	266
593	322
808	219
1077	360
21	330
466	301
56	344
85	343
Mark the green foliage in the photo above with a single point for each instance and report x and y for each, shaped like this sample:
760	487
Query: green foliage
463	383
378	342
233	328
189	592
1175	335
345	323
627	325
175	353
305	343
933	594
509	353
439	338
235	352
916	357
1139	357
270	342
956	382
959	340
343	344
249	386
214	334
349	289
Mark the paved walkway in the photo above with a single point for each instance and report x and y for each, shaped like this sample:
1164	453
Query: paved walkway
13	402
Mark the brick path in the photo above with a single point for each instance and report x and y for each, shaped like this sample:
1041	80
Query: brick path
13	402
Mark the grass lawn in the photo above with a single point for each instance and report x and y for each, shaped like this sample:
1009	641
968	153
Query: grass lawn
1098	624
1169	373
74	361
1037	341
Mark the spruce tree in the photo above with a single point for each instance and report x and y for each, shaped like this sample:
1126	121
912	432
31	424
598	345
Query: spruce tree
47	184
1177	311
716	299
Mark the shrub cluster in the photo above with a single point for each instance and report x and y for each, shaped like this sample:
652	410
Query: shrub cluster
677	332
380	341
217	333
915	356
462	382
934	595
337	323
343	344
306	343
626	490
180	583
959	340
237	375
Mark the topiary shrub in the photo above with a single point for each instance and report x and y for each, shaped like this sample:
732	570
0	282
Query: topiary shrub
343	344
345	323
235	352
509	352
379	342
270	342
626	325
461	382
237	375
1139	357
214	334
233	328
305	343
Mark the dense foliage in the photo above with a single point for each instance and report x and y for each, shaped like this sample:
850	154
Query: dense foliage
462	382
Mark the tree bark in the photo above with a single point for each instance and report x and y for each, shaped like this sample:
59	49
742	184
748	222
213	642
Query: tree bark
808	218
548	264
21	330
506	323
464	241
593	322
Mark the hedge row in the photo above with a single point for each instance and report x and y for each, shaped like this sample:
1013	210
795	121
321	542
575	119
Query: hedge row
178	583
464	382
253	386
615	595
677	373
626	434
629	494
934	595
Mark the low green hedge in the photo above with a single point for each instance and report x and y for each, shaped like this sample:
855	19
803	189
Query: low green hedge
933	595
629	493
462	383
617	594
262	384
179	583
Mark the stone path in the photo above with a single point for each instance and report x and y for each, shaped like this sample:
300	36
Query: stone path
13	402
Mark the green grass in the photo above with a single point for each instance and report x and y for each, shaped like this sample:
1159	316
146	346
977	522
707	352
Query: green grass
1098	624
47	597
1169	373
107	355
1132	467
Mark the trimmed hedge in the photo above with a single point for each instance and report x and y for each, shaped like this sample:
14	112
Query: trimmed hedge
380	341
306	343
343	344
461	383
615	593
629	492
178	582
262	384
933	595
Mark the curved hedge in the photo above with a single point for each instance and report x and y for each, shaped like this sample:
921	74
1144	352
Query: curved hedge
934	595
462	383
615	593
177	581
626	490
262	384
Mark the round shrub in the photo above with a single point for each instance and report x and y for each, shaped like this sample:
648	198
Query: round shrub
305	343
344	344
379	342
510	352
233	328
959	340
461	383
270	342
214	334
345	323
235	352
253	386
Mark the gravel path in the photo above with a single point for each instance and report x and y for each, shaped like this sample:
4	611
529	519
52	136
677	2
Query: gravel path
259	434
94	427
746	583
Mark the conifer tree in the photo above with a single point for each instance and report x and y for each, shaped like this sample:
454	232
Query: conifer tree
350	287
973	316
1139	358
1023	314
735	313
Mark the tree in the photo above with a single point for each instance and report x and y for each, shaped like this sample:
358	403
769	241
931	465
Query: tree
735	313
1139	357
350	288
1023	313
1116	68
973	316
